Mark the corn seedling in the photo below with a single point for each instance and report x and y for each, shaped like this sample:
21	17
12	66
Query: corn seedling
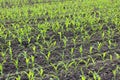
63	56
109	44
34	49
117	56
16	64
93	61
41	72
30	75
11	53
65	41
74	42
103	35
33	61
103	55
71	52
18	77
99	46
111	57
38	37
95	75
115	71
91	49
54	77
83	77
3	54
67	23
27	60
81	50
47	56
1	69
55	67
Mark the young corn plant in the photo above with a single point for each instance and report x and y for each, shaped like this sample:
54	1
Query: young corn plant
109	44
63	56
115	71
57	26
55	68
3	54
41	47
1	66
38	37
74	42
81	50
117	56
67	23
65	41
1	69
60	35
75	64
83	77
47	56
99	46
54	77
41	72
43	34
31	75
71	52
91	49
18	77
85	61
21	35
10	50
103	35
16	64
33	61
93	61
103	56
34	49
28	39
95	75
11	53
111	57
27	60
66	65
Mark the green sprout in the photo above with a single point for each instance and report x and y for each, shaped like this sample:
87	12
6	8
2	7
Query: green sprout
71	52
41	72
34	49
11	53
18	77
74	42
111	57
65	41
104	55
33	61
81	50
117	56
83	77
31	75
115	72
16	64
60	34
47	56
1	69
99	46
91	49
27	60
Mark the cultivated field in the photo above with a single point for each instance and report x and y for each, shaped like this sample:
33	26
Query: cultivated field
59	39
